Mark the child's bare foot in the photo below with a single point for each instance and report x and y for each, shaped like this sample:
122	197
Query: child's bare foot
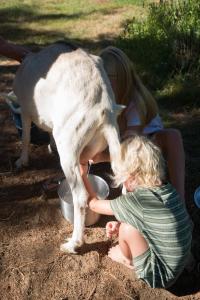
116	254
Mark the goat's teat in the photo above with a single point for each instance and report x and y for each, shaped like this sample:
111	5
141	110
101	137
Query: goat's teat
119	108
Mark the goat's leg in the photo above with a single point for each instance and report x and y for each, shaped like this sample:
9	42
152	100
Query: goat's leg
70	166
77	238
80	196
52	144
26	129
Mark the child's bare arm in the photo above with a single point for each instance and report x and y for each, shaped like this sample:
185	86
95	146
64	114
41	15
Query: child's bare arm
100	206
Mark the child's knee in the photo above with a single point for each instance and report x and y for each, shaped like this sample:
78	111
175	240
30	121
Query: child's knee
126	231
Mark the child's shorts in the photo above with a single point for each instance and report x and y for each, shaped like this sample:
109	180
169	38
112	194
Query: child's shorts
151	269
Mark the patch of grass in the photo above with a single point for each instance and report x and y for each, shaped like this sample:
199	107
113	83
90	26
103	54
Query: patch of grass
179	94
42	22
165	46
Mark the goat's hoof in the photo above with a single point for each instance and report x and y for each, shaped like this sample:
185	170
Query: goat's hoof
71	245
21	163
52	148
68	247
49	149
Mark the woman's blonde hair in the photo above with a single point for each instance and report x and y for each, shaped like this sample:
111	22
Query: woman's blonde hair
129	87
141	161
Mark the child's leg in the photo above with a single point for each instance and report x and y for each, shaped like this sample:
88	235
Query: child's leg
131	244
170	142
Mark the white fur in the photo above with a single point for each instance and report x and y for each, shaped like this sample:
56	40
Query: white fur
68	93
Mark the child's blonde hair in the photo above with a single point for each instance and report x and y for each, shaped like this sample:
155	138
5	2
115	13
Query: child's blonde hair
141	161
129	87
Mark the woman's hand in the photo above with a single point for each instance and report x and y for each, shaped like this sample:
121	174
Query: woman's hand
112	228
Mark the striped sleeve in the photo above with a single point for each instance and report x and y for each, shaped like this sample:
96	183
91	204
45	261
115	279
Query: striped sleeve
128	210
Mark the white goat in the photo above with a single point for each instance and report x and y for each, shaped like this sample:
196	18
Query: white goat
65	91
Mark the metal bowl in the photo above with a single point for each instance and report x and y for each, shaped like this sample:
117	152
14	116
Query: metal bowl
197	197
101	189
37	135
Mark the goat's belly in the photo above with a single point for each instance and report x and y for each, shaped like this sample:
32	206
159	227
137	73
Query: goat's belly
45	124
95	146
41	113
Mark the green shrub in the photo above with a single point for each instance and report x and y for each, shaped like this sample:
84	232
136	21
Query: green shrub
167	42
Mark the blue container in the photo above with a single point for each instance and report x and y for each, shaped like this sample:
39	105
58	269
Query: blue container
197	197
38	136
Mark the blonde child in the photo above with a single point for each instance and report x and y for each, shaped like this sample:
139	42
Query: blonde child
153	227
141	114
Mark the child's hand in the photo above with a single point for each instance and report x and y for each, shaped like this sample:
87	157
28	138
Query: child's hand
112	228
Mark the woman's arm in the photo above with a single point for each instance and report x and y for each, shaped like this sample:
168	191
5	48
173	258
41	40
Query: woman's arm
84	175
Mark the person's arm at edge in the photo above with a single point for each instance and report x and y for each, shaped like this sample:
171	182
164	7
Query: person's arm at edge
13	51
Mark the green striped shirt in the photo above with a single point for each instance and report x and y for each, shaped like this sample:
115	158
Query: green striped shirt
162	219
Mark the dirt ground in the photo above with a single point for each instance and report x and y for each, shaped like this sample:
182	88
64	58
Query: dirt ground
32	227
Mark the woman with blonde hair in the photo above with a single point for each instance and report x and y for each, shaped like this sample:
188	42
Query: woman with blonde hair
141	114
153	227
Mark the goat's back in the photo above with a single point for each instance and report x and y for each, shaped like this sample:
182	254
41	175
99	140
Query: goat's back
60	81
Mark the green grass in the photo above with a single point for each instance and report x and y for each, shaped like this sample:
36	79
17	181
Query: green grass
41	22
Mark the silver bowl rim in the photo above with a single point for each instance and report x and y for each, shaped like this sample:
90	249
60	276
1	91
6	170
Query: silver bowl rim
104	181
64	181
